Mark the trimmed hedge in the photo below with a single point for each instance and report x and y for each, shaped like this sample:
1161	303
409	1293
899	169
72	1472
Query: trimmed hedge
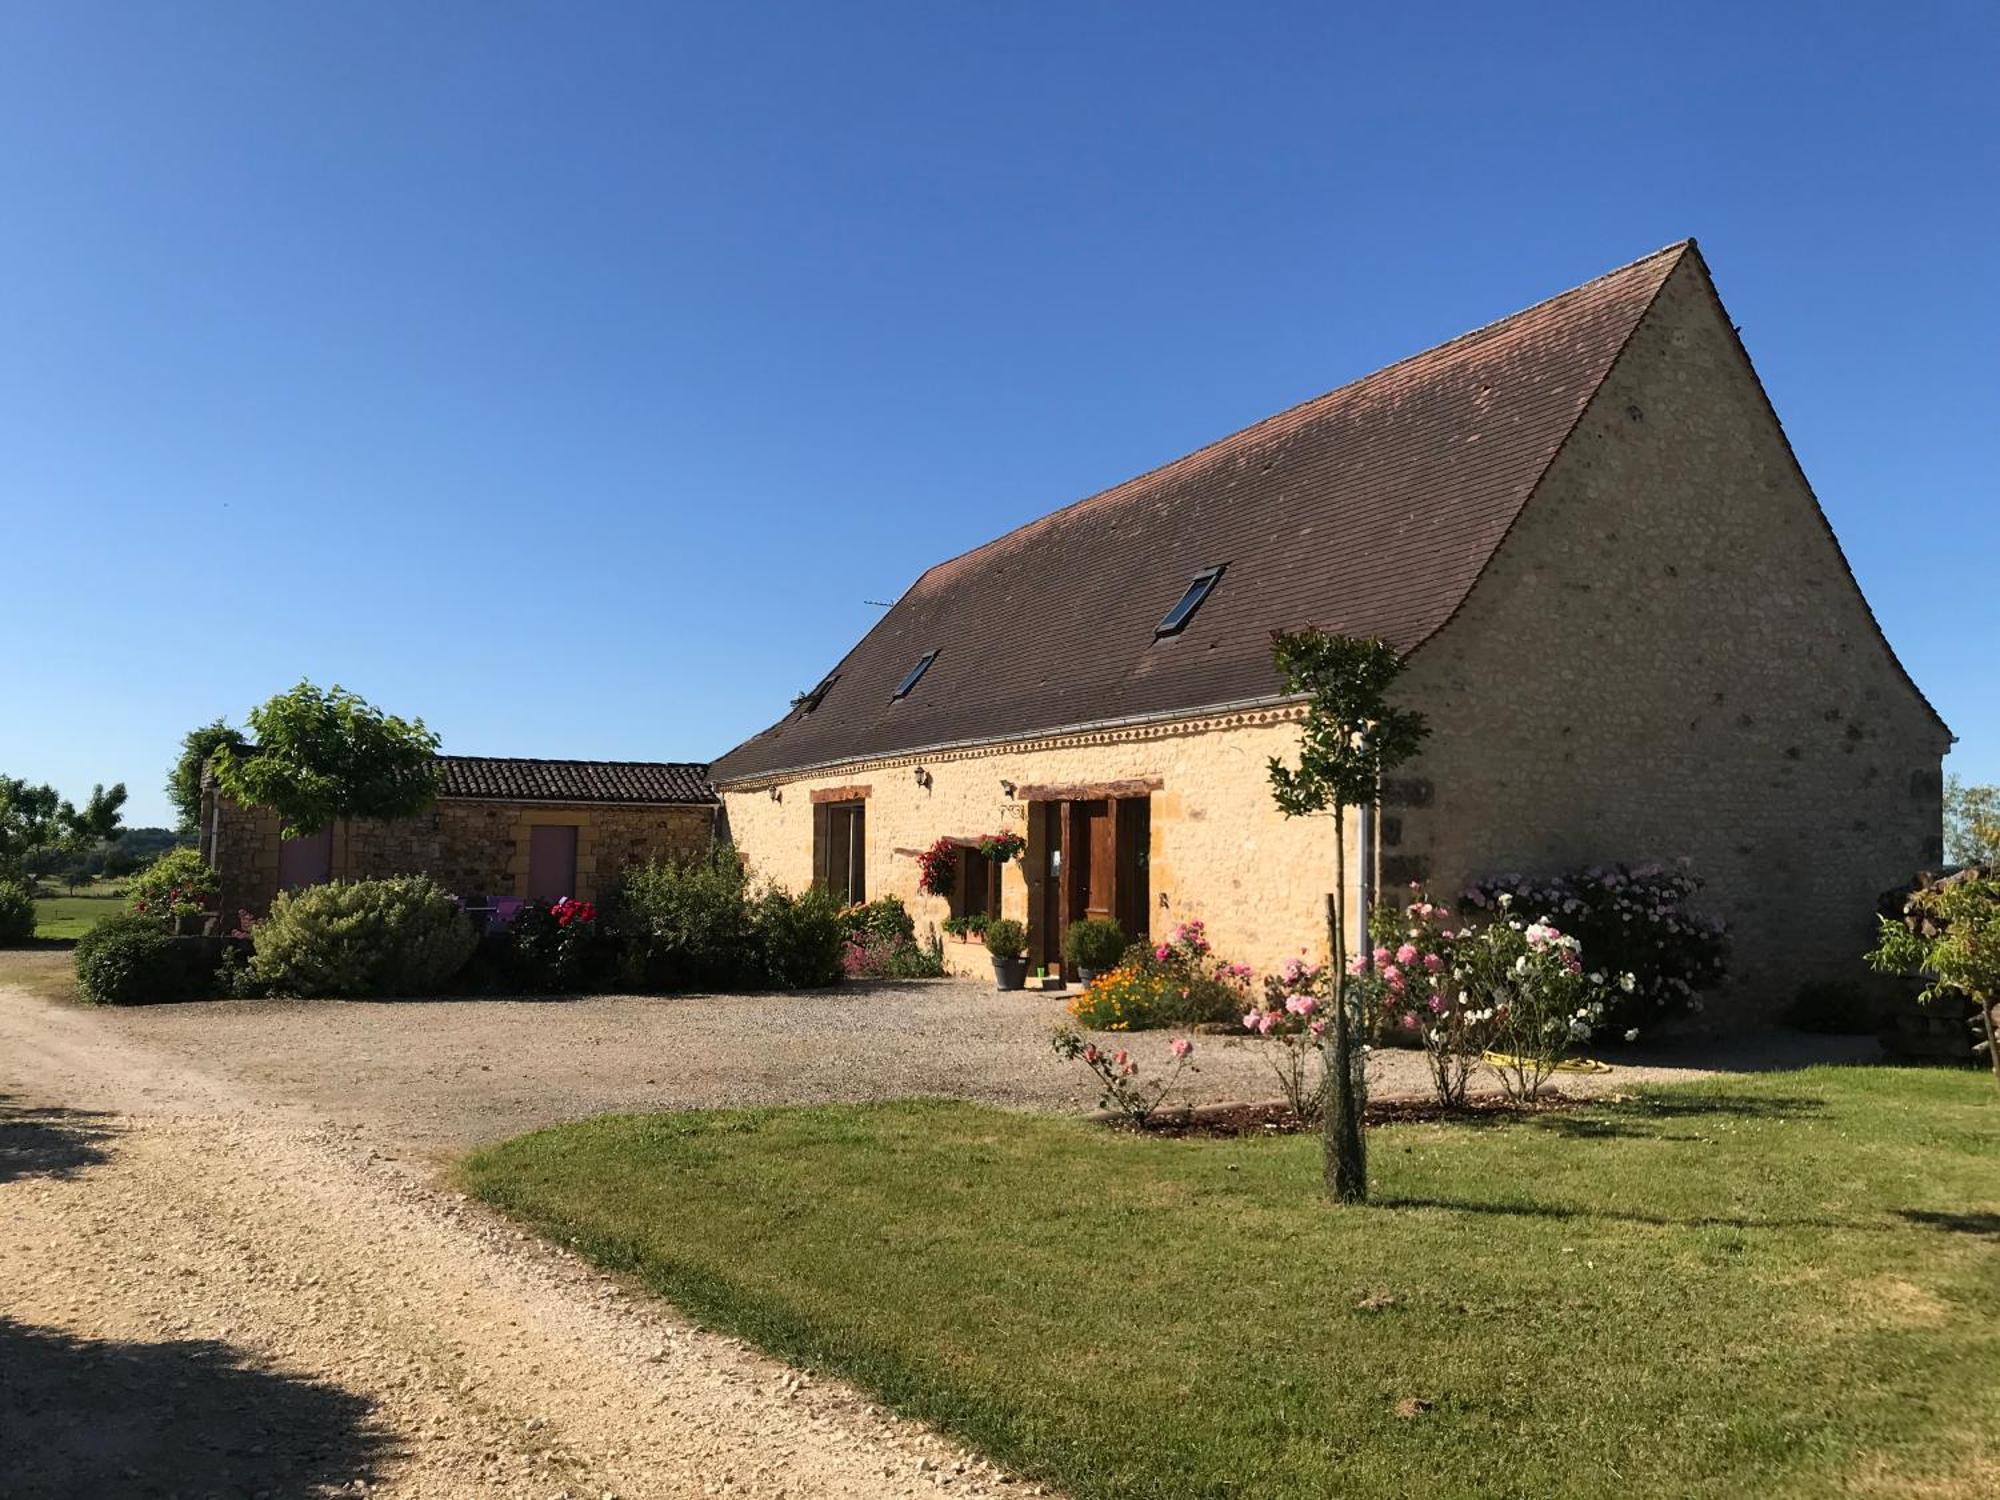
132	960
403	936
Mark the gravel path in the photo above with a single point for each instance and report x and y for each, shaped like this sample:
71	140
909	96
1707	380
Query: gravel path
226	1267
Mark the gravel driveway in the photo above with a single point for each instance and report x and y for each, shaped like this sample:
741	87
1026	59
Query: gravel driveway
226	1266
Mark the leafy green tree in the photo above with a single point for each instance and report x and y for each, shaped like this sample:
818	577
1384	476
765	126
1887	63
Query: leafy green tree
35	819
1950	934
198	747
325	754
1971	823
1352	737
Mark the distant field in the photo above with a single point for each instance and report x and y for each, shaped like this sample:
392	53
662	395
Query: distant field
68	916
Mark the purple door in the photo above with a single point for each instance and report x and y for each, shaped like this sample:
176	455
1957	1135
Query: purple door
306	861
551	862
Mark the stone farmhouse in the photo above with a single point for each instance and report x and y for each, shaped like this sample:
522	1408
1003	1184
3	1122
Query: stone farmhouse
501	829
1627	618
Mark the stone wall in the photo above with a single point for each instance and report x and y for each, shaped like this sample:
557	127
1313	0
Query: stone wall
1667	660
1220	851
473	847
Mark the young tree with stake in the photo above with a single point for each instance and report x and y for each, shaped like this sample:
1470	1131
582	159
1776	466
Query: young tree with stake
1351	737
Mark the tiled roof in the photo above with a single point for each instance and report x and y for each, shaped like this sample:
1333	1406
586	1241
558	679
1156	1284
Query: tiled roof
508	780
1052	624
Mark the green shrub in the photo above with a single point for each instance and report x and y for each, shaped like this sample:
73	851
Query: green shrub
705	925
404	936
17	913
1006	938
133	960
800	938
1095	943
177	884
689	925
885	918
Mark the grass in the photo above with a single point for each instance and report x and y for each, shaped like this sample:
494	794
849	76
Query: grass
72	915
1779	1286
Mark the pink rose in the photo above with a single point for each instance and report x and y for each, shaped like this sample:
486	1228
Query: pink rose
1250	1019
1406	954
1409	1020
1180	1046
1161	952
1433	962
1381	956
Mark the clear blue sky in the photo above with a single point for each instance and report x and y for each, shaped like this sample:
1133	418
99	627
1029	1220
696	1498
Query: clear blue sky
571	374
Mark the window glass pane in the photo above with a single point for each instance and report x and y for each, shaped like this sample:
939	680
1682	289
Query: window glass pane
1188	603
923	664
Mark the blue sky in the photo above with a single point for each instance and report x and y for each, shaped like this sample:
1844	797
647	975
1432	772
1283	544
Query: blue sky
571	375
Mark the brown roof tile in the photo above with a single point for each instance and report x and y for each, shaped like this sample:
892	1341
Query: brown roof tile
498	779
1051	625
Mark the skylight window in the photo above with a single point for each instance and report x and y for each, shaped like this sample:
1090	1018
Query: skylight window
923	665
805	703
1175	620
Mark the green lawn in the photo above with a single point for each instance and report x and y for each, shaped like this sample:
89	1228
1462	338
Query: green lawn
71	916
1788	1285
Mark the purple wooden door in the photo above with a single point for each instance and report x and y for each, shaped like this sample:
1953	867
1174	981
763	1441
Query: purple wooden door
551	862
306	861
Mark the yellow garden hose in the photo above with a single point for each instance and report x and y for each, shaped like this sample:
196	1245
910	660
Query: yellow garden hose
1567	1065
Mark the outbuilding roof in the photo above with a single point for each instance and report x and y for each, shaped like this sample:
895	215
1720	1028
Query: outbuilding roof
1371	510
505	779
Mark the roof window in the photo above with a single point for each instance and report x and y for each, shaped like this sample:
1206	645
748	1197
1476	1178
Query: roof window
805	703
922	666
1175	620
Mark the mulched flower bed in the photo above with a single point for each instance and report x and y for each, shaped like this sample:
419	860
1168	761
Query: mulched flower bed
1222	1122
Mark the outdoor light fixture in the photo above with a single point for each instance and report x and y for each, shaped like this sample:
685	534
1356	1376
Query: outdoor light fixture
1007	787
777	794
923	778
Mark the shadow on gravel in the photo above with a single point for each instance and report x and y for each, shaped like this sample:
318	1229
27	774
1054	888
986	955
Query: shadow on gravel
82	1418
48	1142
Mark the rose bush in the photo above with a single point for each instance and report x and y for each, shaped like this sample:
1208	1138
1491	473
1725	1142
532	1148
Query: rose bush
1629	920
1118	1073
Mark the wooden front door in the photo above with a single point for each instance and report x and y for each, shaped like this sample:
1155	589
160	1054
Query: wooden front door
551	862
1094	886
1087	859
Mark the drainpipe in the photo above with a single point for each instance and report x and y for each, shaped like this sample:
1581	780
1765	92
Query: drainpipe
1366	902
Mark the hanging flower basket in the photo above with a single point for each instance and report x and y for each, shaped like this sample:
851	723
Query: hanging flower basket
938	867
1003	846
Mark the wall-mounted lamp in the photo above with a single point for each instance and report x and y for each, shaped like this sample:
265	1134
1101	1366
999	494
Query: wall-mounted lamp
1007	787
777	794
923	778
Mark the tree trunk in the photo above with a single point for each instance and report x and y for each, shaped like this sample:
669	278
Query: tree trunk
1345	1162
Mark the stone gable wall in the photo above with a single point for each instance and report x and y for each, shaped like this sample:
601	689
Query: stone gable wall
1668	661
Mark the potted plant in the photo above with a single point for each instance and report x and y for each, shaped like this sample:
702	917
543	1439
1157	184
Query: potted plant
1007	941
1093	946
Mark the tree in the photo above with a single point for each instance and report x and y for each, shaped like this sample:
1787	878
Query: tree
1950	934
1971	823
1352	736
324	754
198	747
34	819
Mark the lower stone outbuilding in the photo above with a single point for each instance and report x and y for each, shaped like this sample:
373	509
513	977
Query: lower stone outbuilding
501	828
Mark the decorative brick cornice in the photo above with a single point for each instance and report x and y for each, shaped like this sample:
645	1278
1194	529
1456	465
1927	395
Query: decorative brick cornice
1057	739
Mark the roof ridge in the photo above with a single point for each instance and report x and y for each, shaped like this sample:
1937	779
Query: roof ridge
555	760
1210	449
